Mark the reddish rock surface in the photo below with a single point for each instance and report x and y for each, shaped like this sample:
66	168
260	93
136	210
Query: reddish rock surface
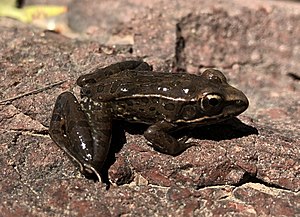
245	167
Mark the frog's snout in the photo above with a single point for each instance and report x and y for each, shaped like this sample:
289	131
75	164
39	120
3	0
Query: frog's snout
241	104
237	103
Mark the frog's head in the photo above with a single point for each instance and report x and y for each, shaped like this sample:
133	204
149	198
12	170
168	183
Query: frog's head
215	101
220	100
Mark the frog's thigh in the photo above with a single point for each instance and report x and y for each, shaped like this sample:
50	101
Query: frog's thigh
100	122
143	66
158	135
70	130
128	65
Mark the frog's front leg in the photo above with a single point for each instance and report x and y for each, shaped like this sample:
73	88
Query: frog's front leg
158	135
85	138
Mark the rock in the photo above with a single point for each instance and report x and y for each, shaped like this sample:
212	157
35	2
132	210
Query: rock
246	167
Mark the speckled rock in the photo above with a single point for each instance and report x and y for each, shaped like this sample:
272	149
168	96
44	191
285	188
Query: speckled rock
245	167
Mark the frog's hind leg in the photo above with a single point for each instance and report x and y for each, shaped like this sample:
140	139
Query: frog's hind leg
127	65
142	66
130	65
70	129
101	73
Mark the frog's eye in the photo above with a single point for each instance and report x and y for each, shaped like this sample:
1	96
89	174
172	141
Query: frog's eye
214	75
211	102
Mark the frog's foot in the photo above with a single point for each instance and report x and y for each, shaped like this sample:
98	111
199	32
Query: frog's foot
185	138
85	140
86	169
163	141
89	170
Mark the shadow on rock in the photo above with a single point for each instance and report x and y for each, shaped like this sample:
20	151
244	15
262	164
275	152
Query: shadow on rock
230	129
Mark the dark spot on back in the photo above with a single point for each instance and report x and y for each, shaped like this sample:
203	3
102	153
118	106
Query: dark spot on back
169	106
100	88
129	103
155	100
145	100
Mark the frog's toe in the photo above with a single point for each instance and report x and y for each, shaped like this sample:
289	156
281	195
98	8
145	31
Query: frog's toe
90	171
190	144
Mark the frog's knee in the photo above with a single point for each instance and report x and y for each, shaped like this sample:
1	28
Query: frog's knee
143	66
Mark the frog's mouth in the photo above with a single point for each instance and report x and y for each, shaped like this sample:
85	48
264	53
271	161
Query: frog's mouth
206	119
235	107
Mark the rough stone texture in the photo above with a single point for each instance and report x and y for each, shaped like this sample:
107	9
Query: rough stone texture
244	168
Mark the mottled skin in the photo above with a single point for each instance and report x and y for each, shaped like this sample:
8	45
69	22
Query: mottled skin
132	92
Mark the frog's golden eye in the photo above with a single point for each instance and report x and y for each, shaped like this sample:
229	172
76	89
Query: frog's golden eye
211	102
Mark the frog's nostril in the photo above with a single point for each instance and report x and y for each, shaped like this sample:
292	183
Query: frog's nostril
242	104
239	102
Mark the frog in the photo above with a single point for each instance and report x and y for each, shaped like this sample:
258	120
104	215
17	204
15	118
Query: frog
131	91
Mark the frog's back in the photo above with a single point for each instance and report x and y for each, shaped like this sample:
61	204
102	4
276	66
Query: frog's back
133	84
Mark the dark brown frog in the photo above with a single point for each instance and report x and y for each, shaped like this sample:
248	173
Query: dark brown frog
132	92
